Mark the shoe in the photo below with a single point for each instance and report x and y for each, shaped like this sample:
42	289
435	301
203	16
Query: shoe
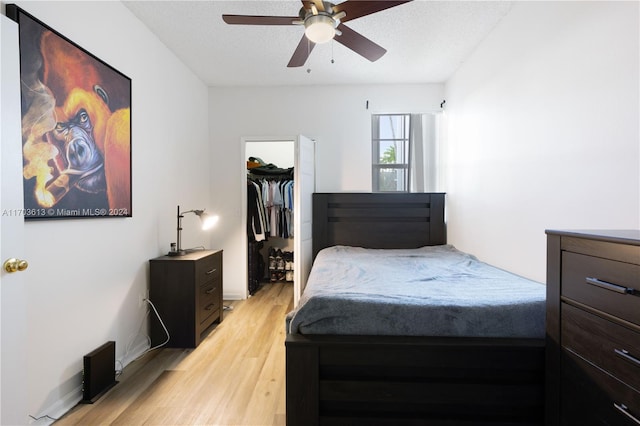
272	259
288	260
279	261
289	276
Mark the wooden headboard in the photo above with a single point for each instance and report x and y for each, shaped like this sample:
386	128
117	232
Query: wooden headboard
378	220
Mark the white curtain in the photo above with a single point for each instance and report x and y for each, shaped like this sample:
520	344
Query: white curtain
423	153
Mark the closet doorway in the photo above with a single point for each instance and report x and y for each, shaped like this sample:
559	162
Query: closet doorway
283	153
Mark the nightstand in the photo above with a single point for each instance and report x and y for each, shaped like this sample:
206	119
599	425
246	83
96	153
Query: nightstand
187	292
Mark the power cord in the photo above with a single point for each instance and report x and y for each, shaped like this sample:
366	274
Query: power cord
163	326
44	417
128	349
194	249
131	340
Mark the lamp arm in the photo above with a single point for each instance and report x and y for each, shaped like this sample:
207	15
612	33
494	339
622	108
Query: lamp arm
195	211
179	251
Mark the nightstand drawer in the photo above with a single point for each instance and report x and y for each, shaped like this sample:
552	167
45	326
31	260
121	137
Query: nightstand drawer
207	316
610	346
592	397
607	285
209	302
208	268
210	295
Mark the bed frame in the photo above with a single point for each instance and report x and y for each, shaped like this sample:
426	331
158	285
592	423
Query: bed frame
395	380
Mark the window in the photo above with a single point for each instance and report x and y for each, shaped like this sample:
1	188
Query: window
390	138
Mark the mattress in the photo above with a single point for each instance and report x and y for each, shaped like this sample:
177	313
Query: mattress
429	291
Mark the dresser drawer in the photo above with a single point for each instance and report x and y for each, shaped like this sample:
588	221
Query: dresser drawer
607	285
209	302
612	347
592	397
208	268
208	315
210	294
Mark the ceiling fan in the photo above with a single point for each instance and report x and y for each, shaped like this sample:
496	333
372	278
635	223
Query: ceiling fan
324	21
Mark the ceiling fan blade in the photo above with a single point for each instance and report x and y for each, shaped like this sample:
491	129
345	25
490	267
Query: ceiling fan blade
259	20
302	52
358	8
359	43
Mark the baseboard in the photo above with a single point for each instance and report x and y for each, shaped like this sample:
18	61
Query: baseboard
60	407
233	296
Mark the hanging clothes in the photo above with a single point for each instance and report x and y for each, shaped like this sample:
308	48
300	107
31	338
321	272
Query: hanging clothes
256	221
270	205
269	214
256	266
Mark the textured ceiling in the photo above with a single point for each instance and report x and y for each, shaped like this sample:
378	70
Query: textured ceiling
426	41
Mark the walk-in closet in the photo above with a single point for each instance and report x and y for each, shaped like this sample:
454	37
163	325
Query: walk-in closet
280	178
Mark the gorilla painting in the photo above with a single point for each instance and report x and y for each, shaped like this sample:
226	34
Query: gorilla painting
76	127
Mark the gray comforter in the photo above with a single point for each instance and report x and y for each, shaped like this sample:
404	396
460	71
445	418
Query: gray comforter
430	291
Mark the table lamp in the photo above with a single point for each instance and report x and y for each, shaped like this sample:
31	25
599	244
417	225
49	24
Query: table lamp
208	221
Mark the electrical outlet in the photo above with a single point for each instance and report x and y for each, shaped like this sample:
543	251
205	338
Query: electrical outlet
141	299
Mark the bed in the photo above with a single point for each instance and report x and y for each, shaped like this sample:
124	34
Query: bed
376	366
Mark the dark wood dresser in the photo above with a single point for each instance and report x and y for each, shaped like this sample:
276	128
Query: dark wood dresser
593	328
187	292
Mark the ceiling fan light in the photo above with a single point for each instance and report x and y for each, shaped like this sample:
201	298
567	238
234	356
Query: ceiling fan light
319	28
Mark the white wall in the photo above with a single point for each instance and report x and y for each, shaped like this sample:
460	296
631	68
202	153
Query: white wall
278	153
335	116
543	133
85	275
542	125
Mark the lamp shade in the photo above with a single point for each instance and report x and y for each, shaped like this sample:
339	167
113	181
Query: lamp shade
319	28
208	220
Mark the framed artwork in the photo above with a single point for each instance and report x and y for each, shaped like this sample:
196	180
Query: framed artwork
76	127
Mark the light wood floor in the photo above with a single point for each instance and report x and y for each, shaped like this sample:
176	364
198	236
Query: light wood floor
236	376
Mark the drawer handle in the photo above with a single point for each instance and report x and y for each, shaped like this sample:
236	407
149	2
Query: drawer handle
212	289
625	410
211	271
609	286
209	307
626	355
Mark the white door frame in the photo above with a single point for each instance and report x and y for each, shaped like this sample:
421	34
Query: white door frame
243	186
299	271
